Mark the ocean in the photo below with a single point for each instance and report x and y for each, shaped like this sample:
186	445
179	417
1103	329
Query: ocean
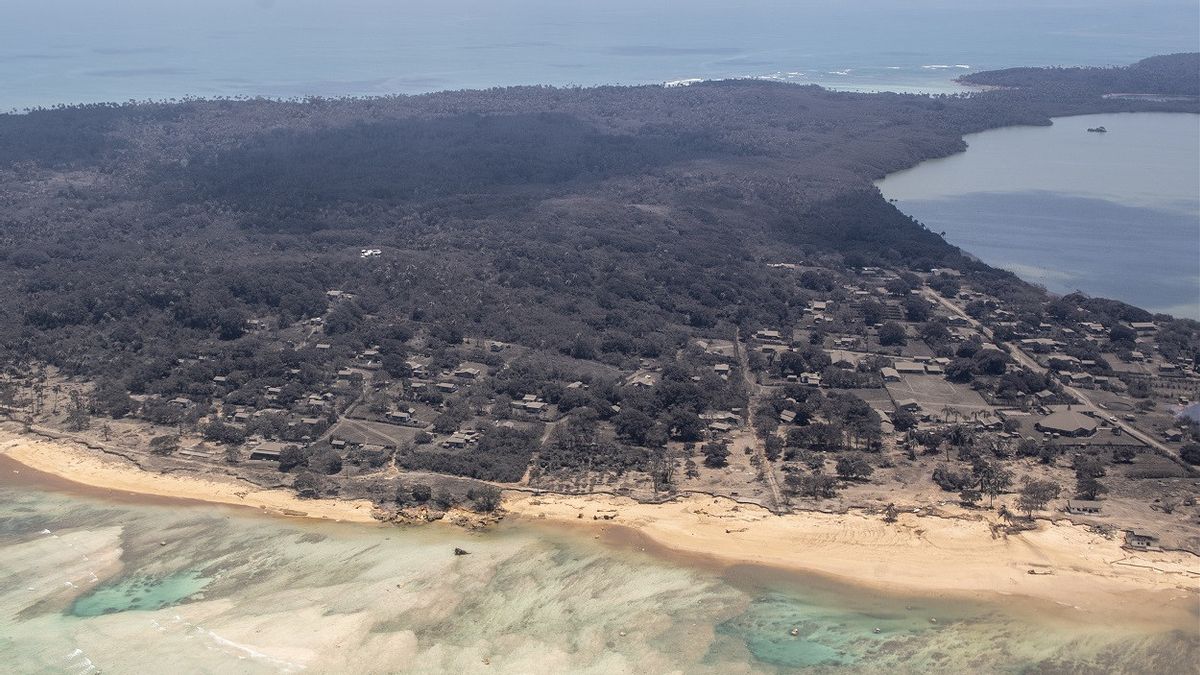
95	585
1113	214
75	51
78	51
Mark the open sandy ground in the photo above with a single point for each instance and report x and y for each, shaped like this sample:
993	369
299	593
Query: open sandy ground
1084	573
96	469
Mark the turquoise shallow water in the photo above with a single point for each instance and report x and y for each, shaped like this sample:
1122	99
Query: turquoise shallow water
138	593
91	585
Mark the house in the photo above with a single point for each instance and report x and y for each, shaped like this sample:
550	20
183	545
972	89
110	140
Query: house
810	379
725	416
1141	539
467	373
1083	507
1068	423
768	335
890	374
787	416
719	427
456	440
909	368
1144	327
1040	345
180	402
219	379
642	381
721	369
908	404
266	452
399	416
447	387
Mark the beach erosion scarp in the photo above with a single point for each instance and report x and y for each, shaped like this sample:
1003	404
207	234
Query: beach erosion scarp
1081	572
94	469
1070	569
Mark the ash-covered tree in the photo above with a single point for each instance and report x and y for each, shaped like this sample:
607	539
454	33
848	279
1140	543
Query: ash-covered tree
853	466
891	334
421	493
164	445
1036	494
716	454
79	417
1088	487
308	485
291	457
993	479
1126	455
815	485
485	498
633	425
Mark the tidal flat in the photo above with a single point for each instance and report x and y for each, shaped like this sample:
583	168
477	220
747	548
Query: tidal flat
95	585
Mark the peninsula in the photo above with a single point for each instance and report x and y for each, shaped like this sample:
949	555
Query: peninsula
683	310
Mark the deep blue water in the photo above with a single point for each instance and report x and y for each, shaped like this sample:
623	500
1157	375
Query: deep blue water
1147	256
1114	215
67	51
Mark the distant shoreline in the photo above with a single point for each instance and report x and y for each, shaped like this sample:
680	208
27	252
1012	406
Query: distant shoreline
957	555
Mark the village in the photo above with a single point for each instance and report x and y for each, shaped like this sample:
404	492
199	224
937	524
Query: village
886	390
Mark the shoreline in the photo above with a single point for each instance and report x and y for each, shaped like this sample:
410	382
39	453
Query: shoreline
64	460
1080	572
1088	271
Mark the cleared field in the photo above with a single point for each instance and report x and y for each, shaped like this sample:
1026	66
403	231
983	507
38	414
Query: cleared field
372	433
933	393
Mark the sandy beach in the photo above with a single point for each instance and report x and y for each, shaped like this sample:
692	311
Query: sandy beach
1083	572
95	469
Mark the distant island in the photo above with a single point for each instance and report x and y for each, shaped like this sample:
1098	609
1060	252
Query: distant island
1097	130
416	303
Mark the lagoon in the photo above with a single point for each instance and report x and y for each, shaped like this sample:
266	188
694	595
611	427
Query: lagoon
96	585
1113	214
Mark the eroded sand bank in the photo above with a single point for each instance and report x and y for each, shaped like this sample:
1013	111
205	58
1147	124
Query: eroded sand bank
96	469
1080	570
